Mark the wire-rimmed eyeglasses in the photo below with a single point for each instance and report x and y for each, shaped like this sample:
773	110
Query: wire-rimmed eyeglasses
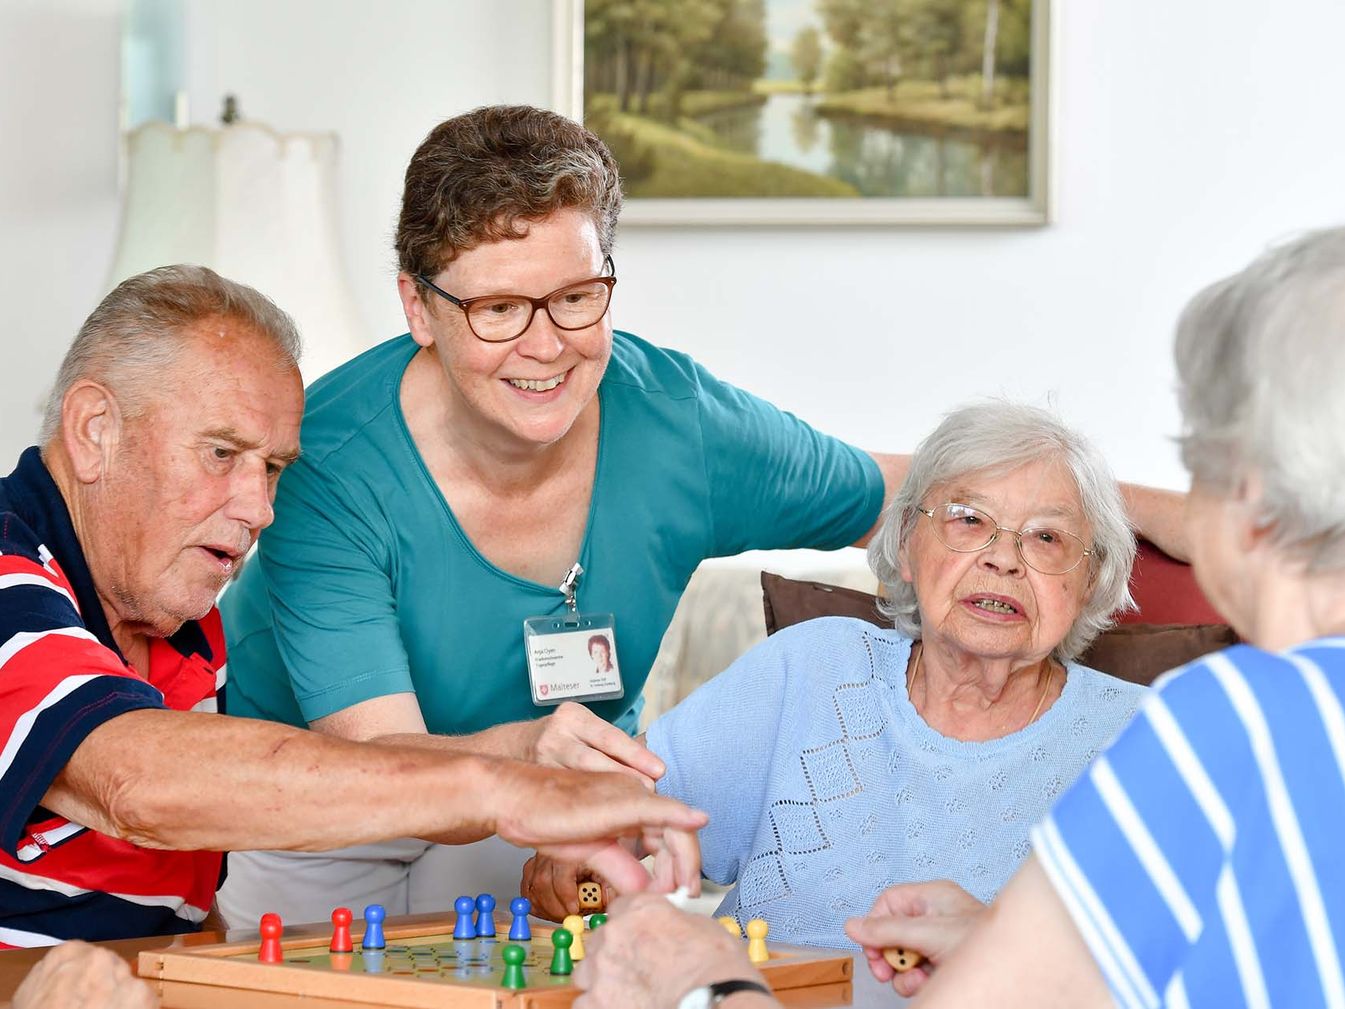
499	318
965	530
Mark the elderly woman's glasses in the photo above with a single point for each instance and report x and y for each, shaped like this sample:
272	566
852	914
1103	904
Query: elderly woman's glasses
499	318
966	530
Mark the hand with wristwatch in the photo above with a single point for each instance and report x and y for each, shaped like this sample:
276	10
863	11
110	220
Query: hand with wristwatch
650	954
709	995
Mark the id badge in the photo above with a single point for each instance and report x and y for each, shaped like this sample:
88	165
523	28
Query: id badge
572	657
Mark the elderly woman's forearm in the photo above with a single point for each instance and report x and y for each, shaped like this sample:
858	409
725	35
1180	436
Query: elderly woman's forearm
1157	517
1001	963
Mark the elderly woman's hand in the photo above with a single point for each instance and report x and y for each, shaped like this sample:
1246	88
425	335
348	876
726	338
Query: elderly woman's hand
573	736
649	954
931	919
76	975
553	885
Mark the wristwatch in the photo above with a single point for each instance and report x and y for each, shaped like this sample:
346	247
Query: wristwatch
710	995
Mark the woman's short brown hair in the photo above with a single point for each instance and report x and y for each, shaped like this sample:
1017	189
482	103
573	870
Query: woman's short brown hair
481	176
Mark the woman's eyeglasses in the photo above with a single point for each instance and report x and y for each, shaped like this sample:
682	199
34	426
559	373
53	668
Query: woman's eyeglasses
499	318
966	530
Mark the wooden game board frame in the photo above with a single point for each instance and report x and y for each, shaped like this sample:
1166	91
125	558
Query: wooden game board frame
790	967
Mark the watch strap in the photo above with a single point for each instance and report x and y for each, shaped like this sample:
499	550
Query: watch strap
721	990
710	995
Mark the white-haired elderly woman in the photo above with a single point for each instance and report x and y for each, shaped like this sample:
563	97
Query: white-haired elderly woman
1198	861
838	758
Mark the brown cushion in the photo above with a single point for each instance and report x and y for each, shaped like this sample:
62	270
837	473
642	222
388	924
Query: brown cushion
789	601
1134	652
1140	652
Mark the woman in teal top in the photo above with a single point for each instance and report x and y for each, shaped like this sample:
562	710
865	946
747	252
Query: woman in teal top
452	477
369	585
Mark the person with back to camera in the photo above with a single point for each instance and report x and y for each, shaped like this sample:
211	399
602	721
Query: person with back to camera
1196	863
512	458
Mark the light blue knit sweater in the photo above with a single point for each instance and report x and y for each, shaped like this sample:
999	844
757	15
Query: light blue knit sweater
824	786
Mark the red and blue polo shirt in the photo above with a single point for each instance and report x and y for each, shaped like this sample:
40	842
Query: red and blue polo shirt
61	676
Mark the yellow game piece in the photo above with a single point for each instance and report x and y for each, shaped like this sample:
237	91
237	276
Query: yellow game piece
902	960
730	924
574	924
756	941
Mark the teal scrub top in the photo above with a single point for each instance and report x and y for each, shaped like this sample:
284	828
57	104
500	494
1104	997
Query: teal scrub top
365	585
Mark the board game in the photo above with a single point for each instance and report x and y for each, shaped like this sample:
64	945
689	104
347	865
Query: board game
424	967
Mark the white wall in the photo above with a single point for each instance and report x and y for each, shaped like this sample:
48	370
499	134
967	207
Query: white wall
58	196
1185	140
380	76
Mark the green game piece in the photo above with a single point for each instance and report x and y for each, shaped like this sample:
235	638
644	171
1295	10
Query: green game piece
596	921
513	967
561	962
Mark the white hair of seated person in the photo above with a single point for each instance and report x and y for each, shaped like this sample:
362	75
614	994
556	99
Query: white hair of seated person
1261	380
998	437
136	332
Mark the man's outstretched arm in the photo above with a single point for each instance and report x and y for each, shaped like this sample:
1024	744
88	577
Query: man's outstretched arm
189	780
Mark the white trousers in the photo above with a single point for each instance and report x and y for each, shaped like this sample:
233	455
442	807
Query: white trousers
405	876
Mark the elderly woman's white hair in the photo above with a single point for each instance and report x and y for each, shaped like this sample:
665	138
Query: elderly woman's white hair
997	438
1261	370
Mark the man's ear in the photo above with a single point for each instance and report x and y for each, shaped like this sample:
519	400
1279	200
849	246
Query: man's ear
91	428
414	308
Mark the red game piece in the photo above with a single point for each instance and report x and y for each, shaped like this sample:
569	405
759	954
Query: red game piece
341	919
270	928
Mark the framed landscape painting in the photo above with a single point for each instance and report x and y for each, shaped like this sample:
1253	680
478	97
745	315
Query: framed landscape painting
815	111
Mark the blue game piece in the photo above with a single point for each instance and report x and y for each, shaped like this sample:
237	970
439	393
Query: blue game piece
373	927
464	929
485	916
520	930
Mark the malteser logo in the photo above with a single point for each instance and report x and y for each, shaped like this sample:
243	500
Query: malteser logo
544	690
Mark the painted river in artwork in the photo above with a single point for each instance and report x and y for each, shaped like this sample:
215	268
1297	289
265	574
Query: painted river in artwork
876	159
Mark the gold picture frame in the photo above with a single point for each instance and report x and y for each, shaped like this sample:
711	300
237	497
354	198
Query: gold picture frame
1029	208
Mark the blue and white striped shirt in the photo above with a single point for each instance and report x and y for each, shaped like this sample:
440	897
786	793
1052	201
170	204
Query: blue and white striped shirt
1202	856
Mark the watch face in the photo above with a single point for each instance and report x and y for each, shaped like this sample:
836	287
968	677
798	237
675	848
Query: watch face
697	998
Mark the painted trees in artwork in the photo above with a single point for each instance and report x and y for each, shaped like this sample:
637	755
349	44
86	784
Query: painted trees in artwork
806	56
882	42
803	97
648	53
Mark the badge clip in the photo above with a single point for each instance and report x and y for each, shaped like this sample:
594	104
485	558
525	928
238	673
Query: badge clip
569	588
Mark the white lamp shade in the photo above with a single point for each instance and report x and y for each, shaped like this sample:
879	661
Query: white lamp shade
256	206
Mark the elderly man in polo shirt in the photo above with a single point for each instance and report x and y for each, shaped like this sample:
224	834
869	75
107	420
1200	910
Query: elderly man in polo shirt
173	415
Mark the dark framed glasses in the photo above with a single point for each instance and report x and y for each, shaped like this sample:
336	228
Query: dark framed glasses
965	530
499	318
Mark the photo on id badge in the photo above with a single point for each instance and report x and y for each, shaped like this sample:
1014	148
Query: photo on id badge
573	664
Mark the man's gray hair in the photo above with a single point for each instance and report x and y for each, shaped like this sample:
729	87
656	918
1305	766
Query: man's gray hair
1261	382
997	438
137	331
